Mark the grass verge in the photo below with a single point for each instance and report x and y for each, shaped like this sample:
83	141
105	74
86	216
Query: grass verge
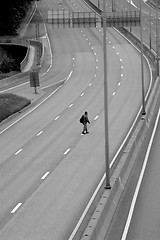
11	103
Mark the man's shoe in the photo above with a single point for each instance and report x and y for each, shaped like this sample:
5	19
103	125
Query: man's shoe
87	132
83	132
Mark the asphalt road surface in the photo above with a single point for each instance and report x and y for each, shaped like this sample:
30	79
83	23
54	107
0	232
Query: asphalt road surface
48	169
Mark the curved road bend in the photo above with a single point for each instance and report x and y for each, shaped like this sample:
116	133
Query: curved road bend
134	5
57	167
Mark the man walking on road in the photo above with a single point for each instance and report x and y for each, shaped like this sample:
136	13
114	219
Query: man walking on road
84	122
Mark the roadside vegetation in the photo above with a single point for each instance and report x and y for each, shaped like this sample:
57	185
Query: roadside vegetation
11	14
11	103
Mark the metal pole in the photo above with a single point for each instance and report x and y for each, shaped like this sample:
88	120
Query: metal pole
130	13
106	99
157	36
142	71
113	6
98	3
150	37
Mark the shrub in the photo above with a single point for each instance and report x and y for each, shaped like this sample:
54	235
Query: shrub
11	103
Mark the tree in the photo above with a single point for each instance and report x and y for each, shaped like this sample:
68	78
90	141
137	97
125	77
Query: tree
11	14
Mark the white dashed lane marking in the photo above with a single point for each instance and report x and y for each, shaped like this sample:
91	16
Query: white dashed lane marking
71	105
96	117
16	208
67	151
18	151
45	175
39	133
56	118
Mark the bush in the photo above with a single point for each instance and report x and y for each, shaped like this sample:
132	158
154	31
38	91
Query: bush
8	65
11	14
11	103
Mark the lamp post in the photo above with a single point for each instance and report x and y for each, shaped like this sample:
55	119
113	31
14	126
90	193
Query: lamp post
150	32
142	71
129	2
106	99
113	6
157	38
98	4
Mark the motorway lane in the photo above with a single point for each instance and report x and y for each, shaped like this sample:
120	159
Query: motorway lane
32	167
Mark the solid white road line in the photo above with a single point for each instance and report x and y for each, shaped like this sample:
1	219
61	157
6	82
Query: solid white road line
16	208
125	232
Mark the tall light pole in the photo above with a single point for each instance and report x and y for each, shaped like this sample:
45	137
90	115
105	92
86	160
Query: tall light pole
150	32
142	70
113	6
129	2
106	99
98	4
157	38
